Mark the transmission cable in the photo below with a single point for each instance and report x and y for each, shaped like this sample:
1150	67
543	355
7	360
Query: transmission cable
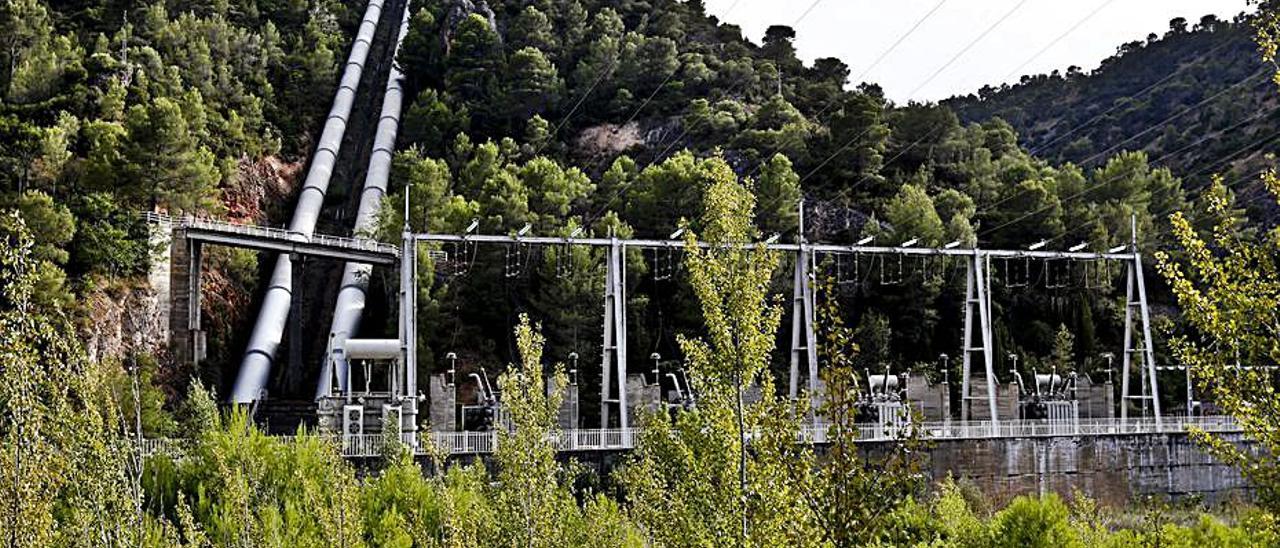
1179	114
935	74
919	22
1060	37
966	49
903	38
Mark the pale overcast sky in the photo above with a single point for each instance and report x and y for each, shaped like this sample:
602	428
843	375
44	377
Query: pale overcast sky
859	31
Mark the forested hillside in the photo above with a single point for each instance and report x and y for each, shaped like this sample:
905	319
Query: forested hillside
622	117
1194	99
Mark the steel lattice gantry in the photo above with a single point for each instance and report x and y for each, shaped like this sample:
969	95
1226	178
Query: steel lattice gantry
978	351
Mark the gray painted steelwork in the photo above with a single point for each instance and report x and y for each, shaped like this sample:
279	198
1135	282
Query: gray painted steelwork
978	323
264	342
355	276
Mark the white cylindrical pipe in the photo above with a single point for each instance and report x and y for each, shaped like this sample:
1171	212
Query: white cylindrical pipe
264	342
350	304
372	349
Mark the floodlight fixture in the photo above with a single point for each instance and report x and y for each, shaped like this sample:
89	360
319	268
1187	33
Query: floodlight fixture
524	230
866	240
475	223
677	234
1038	245
1118	249
1079	247
773	239
952	245
910	242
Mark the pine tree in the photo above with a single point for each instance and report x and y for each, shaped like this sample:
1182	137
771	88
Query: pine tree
534	85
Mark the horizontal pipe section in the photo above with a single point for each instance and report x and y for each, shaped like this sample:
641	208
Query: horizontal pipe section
264	342
371	349
350	304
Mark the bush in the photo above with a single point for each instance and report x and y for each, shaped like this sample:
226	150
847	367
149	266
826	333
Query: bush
1030	523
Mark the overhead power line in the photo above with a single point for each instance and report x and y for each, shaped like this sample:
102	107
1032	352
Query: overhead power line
884	54
889	51
1154	127
1060	37
1173	117
806	13
968	47
935	74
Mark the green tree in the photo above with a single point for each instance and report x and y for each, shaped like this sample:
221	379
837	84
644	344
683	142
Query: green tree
474	65
779	191
596	64
534	84
532	29
1063	357
703	482
912	215
165	159
65	472
1226	285
535	505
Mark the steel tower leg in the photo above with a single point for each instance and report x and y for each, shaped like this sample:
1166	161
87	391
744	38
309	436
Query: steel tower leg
409	332
1136	297
804	344
978	304
195	278
613	353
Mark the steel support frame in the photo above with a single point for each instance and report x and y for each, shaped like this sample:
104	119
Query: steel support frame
978	307
1136	297
613	355
804	342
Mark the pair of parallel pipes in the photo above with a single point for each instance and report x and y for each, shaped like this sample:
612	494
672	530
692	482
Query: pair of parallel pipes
264	342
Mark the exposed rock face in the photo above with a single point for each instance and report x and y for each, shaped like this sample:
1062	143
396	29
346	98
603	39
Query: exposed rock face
259	187
601	144
608	139
125	319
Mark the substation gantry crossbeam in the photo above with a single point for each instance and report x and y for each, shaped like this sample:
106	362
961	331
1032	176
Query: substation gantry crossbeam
978	323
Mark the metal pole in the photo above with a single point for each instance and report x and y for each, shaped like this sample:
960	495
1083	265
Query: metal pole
970	302
1128	344
1148	349
195	274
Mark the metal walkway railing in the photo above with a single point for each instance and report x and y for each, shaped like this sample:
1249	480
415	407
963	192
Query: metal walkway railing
581	440
357	249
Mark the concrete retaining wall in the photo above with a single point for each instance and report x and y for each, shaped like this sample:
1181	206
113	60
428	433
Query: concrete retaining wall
1112	469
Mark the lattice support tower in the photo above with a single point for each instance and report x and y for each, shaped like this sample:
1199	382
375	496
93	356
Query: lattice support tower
1137	309
977	309
804	343
613	361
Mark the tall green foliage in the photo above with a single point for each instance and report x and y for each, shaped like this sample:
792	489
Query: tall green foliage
1227	285
67	474
718	476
